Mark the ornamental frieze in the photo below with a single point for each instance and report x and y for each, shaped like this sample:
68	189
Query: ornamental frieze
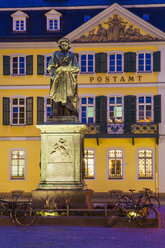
114	29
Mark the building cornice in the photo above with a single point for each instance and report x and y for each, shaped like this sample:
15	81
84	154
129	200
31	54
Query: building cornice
80	86
83	7
54	45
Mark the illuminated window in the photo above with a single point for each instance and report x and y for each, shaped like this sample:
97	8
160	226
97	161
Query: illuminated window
87	63
87	107
115	164
89	158
144	112
47	108
17	164
115	62
145	164
144	62
115	111
18	111
18	65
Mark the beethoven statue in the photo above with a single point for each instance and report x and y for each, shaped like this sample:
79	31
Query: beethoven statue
63	69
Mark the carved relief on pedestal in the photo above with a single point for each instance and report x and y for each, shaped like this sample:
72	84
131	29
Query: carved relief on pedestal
114	29
59	150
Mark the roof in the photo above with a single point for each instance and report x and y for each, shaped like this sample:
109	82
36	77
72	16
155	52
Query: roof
65	3
71	19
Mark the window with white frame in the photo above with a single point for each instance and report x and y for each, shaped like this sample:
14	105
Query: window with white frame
115	62
47	107
115	163
145	109
145	163
19	21
87	63
115	109
17	164
47	59
18	65
53	20
18	111
144	61
87	109
89	159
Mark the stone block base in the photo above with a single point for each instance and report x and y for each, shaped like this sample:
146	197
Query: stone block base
79	198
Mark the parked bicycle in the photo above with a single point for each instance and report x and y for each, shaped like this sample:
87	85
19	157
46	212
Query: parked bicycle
145	197
21	212
144	216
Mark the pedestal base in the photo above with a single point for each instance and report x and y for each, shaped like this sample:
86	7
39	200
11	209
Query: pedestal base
60	185
79	198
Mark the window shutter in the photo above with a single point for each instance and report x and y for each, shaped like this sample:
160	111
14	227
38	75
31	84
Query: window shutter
130	109
130	62
157	108
40	64
156	61
97	109
101	112
101	62
6	65
6	111
29	110
40	110
29	65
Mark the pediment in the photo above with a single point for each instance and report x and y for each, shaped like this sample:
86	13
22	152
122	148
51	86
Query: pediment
19	14
52	13
115	24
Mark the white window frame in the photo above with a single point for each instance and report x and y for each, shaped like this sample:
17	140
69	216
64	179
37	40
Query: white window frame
11	111
45	107
153	164
11	64
94	107
137	61
93	178
152	106
108	62
10	165
53	15
123	163
19	16
87	53
119	125
45	63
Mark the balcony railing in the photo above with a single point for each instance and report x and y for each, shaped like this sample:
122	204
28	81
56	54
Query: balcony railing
123	129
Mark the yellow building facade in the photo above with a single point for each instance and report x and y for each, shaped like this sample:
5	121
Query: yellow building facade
119	101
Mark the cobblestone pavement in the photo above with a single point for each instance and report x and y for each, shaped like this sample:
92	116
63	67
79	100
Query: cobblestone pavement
82	237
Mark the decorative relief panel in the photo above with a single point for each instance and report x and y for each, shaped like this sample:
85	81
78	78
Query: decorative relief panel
59	149
114	29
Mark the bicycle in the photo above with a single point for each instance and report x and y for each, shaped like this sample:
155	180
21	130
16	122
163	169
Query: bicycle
144	216
22	213
146	198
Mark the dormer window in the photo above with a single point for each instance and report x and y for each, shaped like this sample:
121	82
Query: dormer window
53	20
19	21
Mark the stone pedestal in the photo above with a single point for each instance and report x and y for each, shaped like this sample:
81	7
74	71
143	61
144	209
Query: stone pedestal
61	156
78	198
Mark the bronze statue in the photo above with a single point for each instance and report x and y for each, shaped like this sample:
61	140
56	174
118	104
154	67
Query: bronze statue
63	69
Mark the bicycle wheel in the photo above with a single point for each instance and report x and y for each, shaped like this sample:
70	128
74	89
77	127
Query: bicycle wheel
25	215
146	217
113	216
155	203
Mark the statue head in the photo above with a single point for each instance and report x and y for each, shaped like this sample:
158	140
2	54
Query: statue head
64	44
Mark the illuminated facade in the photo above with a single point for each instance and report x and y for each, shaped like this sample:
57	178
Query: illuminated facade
121	88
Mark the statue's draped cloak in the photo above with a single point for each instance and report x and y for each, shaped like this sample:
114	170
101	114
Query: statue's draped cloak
63	68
